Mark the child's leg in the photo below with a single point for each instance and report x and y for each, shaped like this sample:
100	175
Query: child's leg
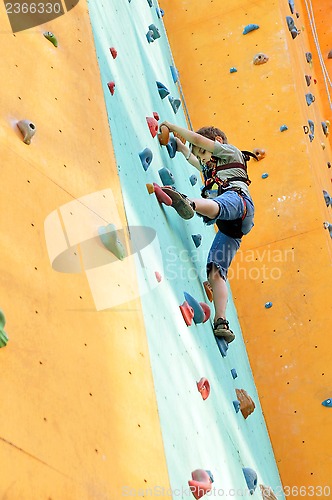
220	293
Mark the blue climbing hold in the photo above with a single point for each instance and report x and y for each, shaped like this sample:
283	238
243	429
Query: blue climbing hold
308	56
197	239
325	128
327	402
198	310
171	147
268	305
290	22
311	126
210	475
327	198
160	12
175	103
222	346
163	91
175	74
265	175
193	179
234	373
251	479
155	31
166	176
150	3
149	36
310	98
250	27
283	128
236	405
233	70
291	5
311	137
146	158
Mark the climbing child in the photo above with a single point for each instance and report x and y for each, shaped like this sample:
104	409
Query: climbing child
225	201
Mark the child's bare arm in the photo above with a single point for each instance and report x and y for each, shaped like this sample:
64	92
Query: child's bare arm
190	136
182	148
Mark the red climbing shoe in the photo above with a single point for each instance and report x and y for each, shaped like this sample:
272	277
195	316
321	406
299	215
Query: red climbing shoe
180	202
221	330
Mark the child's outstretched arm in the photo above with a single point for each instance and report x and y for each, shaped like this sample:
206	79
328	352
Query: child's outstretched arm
182	148
190	136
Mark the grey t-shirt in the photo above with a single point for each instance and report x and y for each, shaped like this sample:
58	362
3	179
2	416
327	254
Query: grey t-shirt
227	153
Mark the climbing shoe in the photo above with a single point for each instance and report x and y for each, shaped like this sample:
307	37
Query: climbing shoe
221	330
180	202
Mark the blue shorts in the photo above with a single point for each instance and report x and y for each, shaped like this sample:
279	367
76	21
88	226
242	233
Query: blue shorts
224	247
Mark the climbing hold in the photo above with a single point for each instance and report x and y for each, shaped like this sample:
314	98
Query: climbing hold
308	56
310	98
160	195
328	226
149	36
306	129
329	55
222	346
265	175
311	137
206	311
193	179
197	239
28	130
291	5
247	405
236	405
327	198
175	73
111	86
290	22
150	3
50	36
171	147
328	164
260	58
158	276
294	32
250	27
175	103
109	238
160	12
268	305
311	126
146	158
166	176
153	125
251	479
234	373
155	31
260	153
233	70
203	387
267	493
283	128
200	483
163	135
325	127
307	79
187	313
323	145
3	334
163	91
197	308
208	290
114	53
155	115
327	403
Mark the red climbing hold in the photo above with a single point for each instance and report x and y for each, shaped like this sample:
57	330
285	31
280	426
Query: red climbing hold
203	387
158	276
206	311
153	125
111	86
156	116
187	313
200	484
160	195
113	52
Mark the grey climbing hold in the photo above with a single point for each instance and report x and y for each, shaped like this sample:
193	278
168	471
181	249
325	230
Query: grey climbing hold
51	37
193	179
149	36
160	12
234	373
290	22
307	79
325	127
146	158
308	56
251	479
155	31
291	5
175	73
197	239
327	198
311	137
28	130
166	176
163	91
310	98
109	238
175	103
250	27
171	147
260	58
233	70
311	126
236	405
328	226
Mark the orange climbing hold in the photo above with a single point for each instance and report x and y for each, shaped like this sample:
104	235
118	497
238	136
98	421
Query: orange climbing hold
203	387
208	290
247	405
163	135
200	483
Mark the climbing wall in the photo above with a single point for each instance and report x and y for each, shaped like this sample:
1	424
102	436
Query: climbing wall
79	414
281	278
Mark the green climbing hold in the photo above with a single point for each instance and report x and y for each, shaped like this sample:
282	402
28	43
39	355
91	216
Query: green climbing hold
50	36
109	237
3	335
